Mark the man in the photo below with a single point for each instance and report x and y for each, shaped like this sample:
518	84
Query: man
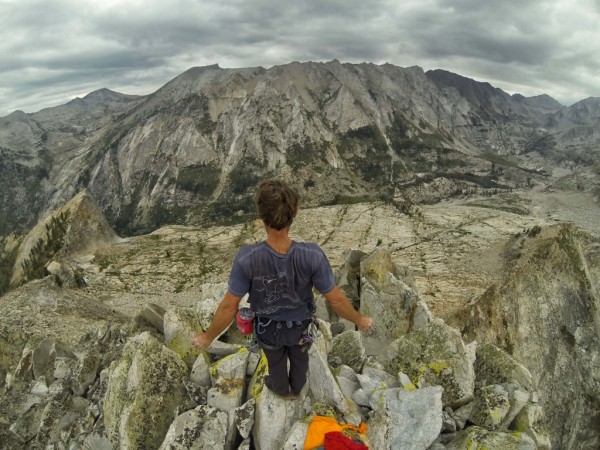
279	275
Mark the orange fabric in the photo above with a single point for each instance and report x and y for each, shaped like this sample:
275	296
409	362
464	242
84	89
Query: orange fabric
320	425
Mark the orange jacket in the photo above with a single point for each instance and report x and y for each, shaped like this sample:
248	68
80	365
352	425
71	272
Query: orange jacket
320	425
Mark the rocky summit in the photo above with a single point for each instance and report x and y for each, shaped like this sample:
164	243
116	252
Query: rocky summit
486	331
464	220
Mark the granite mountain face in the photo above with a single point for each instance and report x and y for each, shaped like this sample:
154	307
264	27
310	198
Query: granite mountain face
193	151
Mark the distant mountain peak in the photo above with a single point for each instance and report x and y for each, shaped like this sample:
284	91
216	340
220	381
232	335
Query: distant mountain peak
104	94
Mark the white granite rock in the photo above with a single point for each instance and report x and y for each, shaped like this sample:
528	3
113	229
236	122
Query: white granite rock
406	420
201	428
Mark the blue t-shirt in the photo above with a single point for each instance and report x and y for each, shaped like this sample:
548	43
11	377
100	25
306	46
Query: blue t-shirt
280	285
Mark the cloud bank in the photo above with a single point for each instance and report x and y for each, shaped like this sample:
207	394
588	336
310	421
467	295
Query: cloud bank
51	52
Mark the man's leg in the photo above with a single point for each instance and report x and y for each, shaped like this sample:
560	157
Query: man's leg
277	360
298	355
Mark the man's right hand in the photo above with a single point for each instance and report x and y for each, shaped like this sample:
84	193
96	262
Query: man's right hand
364	323
344	309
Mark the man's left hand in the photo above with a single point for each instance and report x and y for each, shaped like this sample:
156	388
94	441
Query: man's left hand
201	340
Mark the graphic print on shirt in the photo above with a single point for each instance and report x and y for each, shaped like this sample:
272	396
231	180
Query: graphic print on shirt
275	286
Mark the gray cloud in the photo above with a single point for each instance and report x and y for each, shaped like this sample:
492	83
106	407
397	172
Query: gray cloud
50	52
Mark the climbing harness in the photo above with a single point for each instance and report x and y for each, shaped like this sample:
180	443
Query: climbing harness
309	334
260	326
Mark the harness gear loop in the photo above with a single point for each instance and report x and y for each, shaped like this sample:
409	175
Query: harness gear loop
261	327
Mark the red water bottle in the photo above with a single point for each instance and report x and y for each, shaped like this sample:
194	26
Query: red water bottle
244	319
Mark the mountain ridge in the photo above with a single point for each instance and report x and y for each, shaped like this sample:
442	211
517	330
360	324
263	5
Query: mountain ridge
191	151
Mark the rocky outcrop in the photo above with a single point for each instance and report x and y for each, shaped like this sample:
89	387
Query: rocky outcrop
406	419
144	389
273	419
143	395
55	393
62	241
384	294
348	349
200	428
546	315
475	437
180	326
434	355
57	343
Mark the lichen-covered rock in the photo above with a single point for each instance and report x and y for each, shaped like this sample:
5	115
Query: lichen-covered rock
256	383
274	418
25	428
253	360
228	380
349	348
205	311
244	418
297	436
371	382
322	383
462	414
24	369
348	275
64	367
434	356
231	367
531	422
405	382
480	438
40	388
518	400
396	307
200	374
95	441
58	415
495	366
324	338
212	291
145	386
180	325
375	371
406	419
44	356
220	348
544	313
154	315
490	407
86	372
201	428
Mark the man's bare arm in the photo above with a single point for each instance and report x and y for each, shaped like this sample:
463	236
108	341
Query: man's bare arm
224	315
343	308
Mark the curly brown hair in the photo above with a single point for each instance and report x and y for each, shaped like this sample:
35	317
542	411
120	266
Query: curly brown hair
277	204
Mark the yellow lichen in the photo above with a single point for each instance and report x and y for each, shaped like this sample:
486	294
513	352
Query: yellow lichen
216	364
184	349
410	387
438	367
256	383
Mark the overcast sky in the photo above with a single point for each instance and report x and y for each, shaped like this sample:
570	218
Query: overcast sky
54	50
